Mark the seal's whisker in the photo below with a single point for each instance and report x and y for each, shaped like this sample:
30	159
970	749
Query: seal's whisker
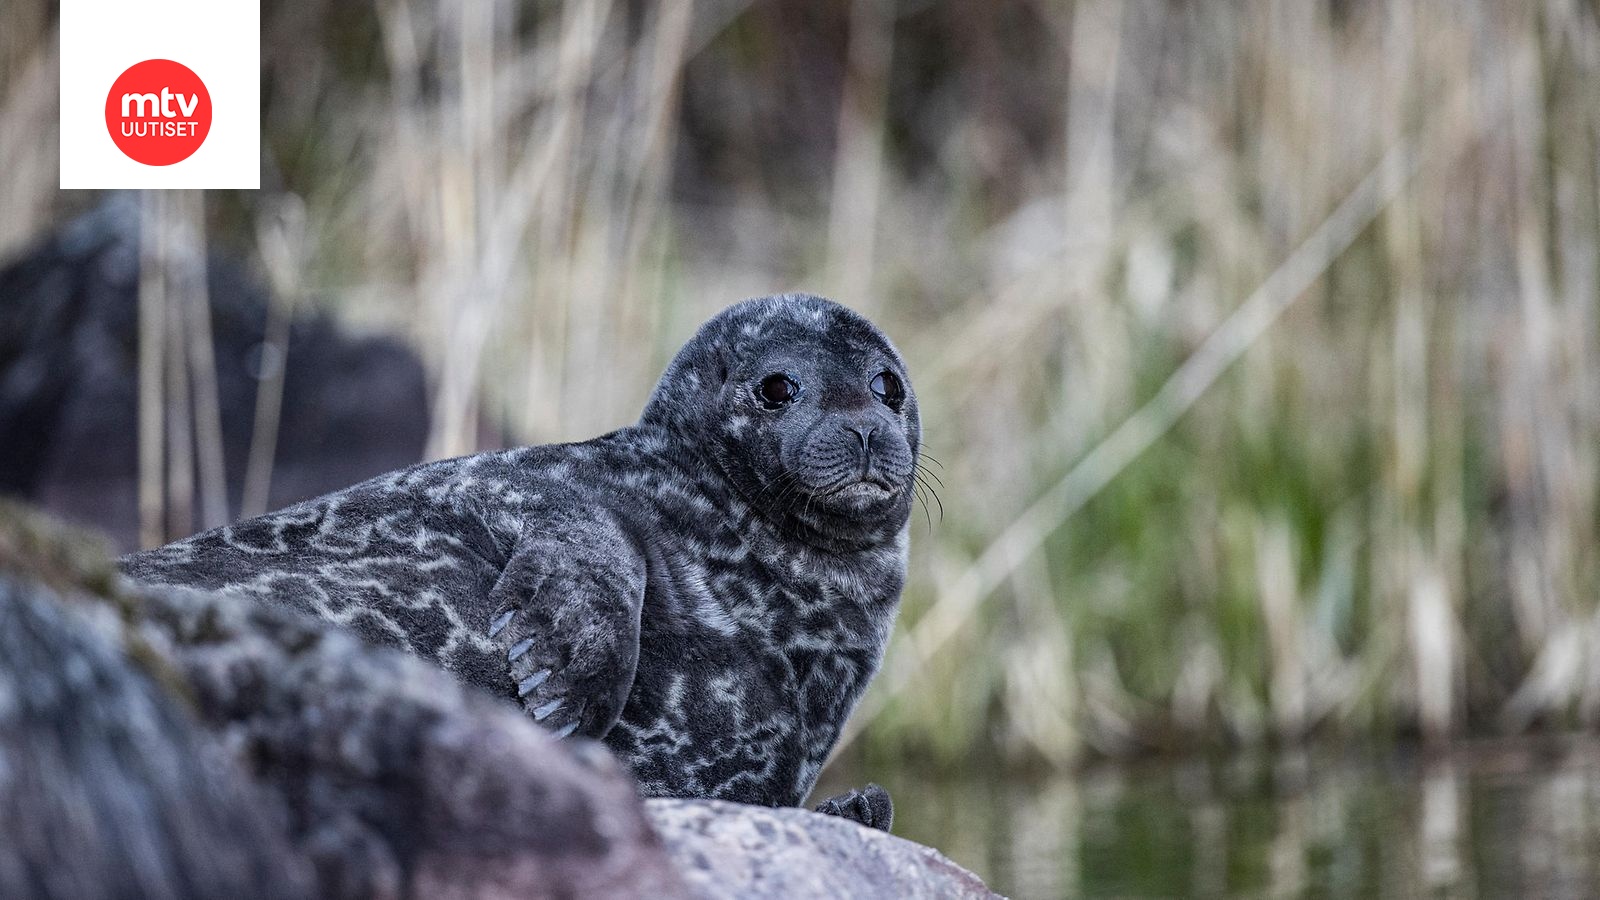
791	491
924	478
935	494
788	486
784	480
917	489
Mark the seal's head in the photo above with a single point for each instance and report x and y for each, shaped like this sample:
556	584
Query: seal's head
807	409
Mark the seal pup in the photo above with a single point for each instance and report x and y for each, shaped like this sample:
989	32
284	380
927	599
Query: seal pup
707	591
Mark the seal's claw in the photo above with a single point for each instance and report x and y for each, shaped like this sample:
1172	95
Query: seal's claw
527	685
498	625
870	806
519	648
543	712
567	729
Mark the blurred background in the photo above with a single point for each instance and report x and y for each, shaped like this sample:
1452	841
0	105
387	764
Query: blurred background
1258	345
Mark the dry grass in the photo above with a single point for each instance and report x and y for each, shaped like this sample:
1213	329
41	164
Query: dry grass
1258	342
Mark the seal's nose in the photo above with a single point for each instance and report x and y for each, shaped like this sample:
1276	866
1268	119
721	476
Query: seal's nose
864	432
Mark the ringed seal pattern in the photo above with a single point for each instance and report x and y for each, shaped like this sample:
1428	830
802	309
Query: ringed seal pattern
707	591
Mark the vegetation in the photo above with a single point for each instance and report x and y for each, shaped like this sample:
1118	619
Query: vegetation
1259	343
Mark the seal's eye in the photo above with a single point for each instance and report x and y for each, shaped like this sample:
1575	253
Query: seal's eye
886	386
777	389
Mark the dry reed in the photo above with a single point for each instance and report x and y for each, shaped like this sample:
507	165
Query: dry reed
1258	342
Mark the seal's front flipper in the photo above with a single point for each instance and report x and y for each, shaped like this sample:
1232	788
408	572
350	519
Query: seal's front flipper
869	806
566	619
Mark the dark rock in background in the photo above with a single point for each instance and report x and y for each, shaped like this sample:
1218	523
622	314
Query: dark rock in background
217	748
729	850
353	407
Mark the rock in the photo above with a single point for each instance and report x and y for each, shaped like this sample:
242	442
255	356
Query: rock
107	788
382	776
352	406
732	850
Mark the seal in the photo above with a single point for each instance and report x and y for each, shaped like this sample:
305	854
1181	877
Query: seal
707	592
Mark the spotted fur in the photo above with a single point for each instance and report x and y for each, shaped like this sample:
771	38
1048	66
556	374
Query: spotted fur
708	591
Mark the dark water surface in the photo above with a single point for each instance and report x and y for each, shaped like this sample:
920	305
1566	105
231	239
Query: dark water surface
1503	819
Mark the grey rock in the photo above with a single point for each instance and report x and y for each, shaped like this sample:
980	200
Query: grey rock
398	774
251	732
107	788
732	850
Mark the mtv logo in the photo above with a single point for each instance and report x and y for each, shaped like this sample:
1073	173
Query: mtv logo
160	94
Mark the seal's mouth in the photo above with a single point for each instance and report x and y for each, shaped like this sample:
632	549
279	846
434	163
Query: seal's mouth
869	488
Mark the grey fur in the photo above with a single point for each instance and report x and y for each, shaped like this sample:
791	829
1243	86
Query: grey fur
709	590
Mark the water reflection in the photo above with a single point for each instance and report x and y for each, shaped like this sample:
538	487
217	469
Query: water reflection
1489	820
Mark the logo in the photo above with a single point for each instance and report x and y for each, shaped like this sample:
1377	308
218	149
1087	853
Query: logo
186	117
158	112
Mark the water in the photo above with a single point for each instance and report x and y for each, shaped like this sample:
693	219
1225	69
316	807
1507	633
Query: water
1504	819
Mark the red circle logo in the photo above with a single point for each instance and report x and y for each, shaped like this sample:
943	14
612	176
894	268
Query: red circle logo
158	112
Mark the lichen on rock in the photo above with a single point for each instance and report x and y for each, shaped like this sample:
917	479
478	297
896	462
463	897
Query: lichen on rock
729	850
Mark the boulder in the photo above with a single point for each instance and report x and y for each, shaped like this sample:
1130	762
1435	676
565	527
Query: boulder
107	787
234	739
729	850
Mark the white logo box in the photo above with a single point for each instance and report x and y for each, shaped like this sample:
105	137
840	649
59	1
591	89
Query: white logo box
219	39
